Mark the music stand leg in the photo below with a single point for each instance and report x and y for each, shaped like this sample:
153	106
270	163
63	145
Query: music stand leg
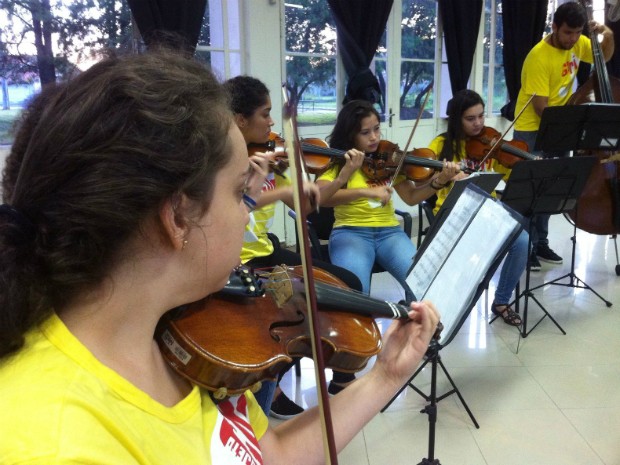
433	357
527	295
431	411
574	280
617	258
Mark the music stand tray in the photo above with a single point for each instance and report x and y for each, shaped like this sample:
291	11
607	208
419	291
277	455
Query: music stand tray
591	126
547	186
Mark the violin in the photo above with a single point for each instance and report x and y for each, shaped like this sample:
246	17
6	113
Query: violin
419	164
317	155
249	331
490	143
278	164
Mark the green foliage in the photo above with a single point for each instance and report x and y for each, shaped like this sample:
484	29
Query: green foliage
418	34
309	30
81	29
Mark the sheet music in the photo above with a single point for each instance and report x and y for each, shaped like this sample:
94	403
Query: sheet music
460	255
443	243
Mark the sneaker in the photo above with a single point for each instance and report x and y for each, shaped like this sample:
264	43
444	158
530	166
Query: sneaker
334	388
284	408
534	263
547	255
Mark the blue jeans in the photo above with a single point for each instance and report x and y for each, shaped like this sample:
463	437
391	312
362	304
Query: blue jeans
264	396
357	248
512	269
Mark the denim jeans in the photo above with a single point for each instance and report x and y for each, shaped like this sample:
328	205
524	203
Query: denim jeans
357	248
512	269
264	396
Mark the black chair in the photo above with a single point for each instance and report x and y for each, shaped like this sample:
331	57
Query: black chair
425	210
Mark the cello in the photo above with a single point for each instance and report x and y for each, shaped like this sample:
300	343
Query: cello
598	207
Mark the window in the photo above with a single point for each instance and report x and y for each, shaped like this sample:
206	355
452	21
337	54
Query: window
418	36
310	54
219	44
494	90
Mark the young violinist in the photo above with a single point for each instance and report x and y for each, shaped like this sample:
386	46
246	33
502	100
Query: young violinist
549	73
366	228
128	203
251	105
466	121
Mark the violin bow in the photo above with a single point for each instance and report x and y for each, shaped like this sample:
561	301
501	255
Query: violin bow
415	126
292	142
500	139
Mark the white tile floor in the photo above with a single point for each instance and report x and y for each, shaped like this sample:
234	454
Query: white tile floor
554	401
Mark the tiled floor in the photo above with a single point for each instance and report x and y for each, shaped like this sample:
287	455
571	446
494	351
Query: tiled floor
554	401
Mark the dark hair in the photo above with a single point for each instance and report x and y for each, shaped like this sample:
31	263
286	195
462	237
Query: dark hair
457	105
246	94
571	13
349	123
105	151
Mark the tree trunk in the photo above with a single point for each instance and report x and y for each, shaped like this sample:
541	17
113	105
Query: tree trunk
42	26
5	94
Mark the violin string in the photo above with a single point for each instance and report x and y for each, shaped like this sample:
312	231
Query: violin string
349	300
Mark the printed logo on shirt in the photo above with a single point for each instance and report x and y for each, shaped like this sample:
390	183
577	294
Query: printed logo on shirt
570	67
270	183
233	441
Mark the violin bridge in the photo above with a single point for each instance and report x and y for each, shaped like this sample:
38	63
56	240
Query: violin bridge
280	285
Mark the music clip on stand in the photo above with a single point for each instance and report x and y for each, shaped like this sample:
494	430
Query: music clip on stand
548	186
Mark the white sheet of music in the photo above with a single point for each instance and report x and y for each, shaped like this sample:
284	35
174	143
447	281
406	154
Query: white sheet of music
460	255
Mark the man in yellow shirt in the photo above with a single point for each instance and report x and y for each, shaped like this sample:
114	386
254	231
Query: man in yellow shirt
549	71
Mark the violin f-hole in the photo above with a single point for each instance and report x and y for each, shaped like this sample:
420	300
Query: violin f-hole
285	324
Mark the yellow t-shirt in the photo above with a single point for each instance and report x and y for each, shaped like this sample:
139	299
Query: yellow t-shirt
549	72
362	212
490	164
60	405
256	243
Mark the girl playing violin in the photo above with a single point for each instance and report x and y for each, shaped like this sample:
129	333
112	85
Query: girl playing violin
128	203
251	105
366	228
466	120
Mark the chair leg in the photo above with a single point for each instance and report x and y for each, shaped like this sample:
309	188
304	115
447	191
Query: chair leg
298	367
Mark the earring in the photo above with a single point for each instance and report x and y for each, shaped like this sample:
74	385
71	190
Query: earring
184	244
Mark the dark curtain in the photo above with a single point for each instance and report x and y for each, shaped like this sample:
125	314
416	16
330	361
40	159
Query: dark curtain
613	65
174	22
524	24
461	20
359	26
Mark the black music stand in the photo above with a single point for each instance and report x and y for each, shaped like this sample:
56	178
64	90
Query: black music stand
547	187
591	126
456	321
